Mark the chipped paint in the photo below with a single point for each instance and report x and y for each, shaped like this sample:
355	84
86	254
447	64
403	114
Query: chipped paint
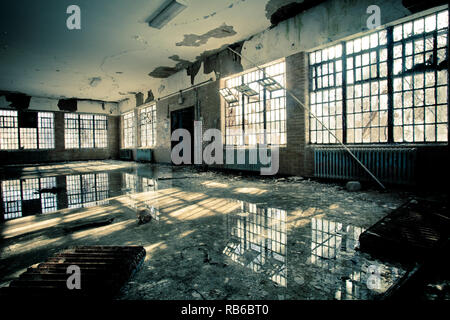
193	40
163	72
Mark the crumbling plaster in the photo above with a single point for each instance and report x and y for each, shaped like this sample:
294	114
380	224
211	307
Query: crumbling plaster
313	28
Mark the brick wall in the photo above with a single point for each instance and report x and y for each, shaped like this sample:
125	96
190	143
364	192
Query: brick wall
293	159
206	98
60	153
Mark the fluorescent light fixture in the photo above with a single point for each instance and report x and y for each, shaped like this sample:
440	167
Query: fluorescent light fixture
168	10
228	95
246	90
270	84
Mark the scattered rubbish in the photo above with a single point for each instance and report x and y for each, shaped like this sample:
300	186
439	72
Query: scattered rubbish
146	215
87	225
353	186
174	178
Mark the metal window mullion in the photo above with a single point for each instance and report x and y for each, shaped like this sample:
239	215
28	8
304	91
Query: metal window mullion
448	84
344	92
243	113
390	82
18	133
93	132
79	131
37	132
435	61
264	114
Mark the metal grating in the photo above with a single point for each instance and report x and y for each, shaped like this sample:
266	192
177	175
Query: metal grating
410	233
103	269
391	165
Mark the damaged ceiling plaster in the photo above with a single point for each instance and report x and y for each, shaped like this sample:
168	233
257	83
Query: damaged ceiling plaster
115	52
193	40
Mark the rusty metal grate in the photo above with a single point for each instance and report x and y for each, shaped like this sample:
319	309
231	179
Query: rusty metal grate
104	270
410	233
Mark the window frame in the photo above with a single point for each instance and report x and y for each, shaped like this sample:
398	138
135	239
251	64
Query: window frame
27	138
249	120
82	125
391	77
147	129
129	134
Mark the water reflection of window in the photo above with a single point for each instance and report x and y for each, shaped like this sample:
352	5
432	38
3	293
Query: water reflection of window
48	200
87	190
149	184
258	240
333	240
130	182
134	183
23	197
12	199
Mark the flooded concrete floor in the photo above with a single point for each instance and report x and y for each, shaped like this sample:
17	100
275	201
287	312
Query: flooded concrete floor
210	236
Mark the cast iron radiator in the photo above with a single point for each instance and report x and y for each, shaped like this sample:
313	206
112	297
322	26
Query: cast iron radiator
144	155
103	272
251	159
126	154
391	165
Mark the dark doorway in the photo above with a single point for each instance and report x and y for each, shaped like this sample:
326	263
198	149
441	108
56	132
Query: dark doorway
183	119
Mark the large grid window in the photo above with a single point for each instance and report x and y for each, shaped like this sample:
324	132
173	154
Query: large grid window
9	130
38	135
85	131
367	89
326	97
28	138
71	131
257	113
46	129
147	122
100	131
410	58
128	130
420	80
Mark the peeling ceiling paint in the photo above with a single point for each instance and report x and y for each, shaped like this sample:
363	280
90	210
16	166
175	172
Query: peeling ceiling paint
39	56
193	40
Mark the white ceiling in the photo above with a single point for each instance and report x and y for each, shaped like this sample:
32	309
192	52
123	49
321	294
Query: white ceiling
115	49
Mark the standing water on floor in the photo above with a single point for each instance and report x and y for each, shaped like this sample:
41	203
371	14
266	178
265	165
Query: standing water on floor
207	235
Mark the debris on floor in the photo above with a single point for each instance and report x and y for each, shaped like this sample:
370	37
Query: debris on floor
103	270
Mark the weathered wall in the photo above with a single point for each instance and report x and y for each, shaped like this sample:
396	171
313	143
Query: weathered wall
327	22
204	97
48	104
292	39
60	153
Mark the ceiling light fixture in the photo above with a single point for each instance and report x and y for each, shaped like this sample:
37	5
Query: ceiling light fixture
168	10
